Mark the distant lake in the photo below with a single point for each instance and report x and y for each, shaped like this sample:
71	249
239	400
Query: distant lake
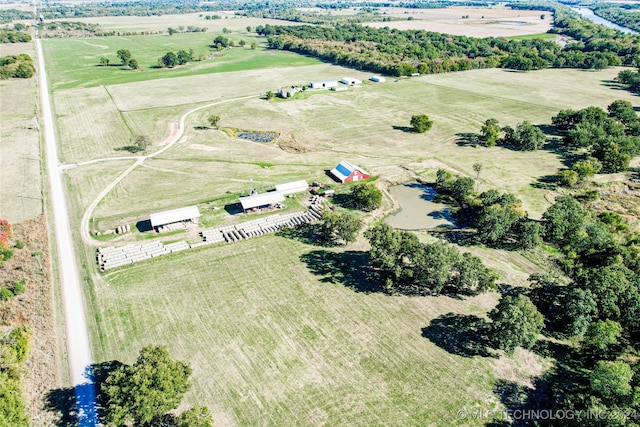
417	210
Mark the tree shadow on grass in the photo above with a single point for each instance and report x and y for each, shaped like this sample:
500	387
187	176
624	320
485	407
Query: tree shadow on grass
468	139
462	335
72	405
547	182
133	149
350	268
407	129
310	234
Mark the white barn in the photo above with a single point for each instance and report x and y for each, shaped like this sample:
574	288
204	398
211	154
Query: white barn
292	187
378	79
264	199
189	213
350	81
323	84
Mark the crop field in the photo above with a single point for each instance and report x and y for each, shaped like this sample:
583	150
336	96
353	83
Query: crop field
20	179
472	22
273	340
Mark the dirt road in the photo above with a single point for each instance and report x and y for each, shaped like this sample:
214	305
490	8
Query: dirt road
77	337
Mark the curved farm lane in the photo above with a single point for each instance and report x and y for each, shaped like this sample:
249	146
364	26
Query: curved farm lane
174	137
76	327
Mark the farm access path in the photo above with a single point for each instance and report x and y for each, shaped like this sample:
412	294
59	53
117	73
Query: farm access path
171	140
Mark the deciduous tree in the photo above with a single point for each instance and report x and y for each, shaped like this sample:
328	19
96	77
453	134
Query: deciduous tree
421	123
366	196
124	55
152	386
516	323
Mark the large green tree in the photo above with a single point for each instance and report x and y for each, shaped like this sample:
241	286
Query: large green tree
490	132
366	196
516	323
124	55
611	380
169	60
144	391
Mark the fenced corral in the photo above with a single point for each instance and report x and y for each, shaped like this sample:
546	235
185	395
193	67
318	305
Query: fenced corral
117	256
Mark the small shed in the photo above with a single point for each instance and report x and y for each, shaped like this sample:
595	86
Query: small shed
186	214
378	79
323	84
346	172
350	81
292	187
260	200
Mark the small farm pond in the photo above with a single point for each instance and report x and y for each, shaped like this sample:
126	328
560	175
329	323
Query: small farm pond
417	210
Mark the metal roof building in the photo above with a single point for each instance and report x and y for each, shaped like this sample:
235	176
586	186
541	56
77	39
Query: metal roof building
350	81
263	199
292	187
346	172
378	79
175	215
323	84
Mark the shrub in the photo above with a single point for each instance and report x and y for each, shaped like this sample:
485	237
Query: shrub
19	244
5	294
19	287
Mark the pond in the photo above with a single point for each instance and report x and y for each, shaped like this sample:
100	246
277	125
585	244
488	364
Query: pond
511	22
417	210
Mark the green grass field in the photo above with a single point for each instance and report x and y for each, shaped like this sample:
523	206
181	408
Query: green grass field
75	62
543	36
274	342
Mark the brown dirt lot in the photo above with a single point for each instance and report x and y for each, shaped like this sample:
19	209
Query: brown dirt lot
481	22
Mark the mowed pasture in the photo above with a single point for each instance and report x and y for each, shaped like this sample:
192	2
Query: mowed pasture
366	125
473	22
274	339
20	173
76	62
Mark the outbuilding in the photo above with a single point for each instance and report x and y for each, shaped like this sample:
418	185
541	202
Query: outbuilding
346	172
261	200
287	92
323	84
181	215
378	79
292	187
350	81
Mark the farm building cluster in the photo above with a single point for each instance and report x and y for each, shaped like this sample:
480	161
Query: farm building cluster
176	219
334	85
117	256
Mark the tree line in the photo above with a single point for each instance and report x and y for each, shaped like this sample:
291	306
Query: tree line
16	66
610	138
625	15
11	36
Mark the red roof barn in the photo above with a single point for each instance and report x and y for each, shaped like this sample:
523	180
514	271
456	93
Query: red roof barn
346	172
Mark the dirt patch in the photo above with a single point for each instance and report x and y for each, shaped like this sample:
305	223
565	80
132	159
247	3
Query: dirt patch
35	309
472	22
